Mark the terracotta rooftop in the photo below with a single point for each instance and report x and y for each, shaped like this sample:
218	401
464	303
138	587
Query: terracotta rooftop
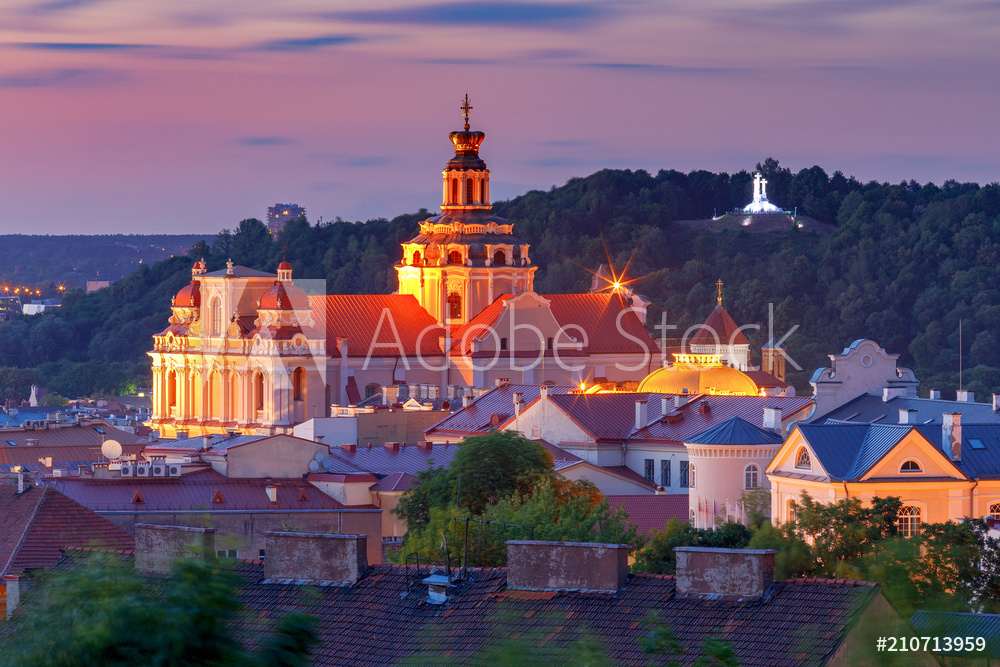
719	329
357	318
651	512
37	524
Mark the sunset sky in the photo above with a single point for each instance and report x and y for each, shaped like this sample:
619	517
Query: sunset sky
174	116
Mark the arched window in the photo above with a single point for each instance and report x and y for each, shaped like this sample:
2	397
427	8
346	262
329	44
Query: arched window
499	258
482	191
172	389
216	316
416	258
258	390
751	476
691	515
299	384
372	388
908	521
790	511
469	189
802	459
910	466
691	475
454	306
994	509
454	191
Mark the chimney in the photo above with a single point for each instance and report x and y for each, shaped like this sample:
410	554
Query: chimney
713	573
678	401
965	396
321	558
157	547
579	566
426	445
543	392
951	435
272	493
390	394
12	582
907	416
889	393
349	448
392	446
935	394
641	411
518	402
704	408
466	401
664	406
996	402
772	420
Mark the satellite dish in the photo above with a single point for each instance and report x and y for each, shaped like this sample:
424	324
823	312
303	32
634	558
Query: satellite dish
319	457
111	449
314	465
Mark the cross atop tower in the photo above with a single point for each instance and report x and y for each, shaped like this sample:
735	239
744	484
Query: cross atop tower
466	108
718	292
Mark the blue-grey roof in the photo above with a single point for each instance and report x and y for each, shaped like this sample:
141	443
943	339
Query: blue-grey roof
240	272
848	451
870	408
958	624
975	462
734	431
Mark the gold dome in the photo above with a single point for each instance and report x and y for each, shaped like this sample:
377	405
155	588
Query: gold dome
699	374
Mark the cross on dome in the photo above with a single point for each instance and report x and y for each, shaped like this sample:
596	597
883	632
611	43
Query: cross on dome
466	108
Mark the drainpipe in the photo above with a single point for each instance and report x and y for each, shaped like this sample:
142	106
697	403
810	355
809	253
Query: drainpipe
846	493
624	450
972	498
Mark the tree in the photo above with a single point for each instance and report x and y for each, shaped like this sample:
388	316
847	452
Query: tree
104	615
657	555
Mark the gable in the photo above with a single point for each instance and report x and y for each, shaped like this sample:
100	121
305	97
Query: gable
280	456
545	419
933	463
784	460
526	322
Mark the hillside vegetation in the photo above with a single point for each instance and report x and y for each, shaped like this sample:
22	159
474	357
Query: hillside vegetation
901	264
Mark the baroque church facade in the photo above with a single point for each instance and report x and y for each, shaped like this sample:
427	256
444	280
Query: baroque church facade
251	352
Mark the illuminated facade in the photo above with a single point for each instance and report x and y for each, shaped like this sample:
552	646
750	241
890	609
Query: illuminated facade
248	351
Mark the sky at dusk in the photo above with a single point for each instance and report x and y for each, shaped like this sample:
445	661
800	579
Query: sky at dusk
186	116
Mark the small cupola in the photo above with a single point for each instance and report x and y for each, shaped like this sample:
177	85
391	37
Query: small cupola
284	272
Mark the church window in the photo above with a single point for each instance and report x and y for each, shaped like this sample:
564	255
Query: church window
416	258
454	306
216	316
548	343
691	476
172	389
910	466
995	509
790	511
372	388
802	459
454	191
299	384
751	477
469	189
258	390
499	257
908	521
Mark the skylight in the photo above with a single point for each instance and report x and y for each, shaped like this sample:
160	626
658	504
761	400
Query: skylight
976	443
99	429
12	443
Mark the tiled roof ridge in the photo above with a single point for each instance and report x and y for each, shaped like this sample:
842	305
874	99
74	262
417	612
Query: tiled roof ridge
27	527
103	550
823	580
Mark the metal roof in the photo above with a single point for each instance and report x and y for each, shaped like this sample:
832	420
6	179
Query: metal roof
605	416
381	460
688	420
735	431
847	451
975	462
239	272
868	408
959	624
475	419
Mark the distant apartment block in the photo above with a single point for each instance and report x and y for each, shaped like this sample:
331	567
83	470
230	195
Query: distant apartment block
10	307
279	214
39	306
94	285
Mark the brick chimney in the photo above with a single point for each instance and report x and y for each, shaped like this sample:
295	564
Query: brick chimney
577	566
951	435
157	547
713	573
315	557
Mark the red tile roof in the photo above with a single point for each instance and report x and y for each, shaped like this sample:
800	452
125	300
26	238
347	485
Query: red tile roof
356	317
192	491
651	512
479	326
719	324
597	315
373	623
36	524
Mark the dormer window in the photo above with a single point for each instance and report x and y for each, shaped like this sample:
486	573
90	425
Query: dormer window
802	459
910	466
499	258
455	257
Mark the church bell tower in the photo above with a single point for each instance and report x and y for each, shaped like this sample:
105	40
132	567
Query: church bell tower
464	258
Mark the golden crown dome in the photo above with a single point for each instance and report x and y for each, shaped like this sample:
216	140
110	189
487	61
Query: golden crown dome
699	374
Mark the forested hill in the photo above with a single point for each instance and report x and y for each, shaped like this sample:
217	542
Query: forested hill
902	265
